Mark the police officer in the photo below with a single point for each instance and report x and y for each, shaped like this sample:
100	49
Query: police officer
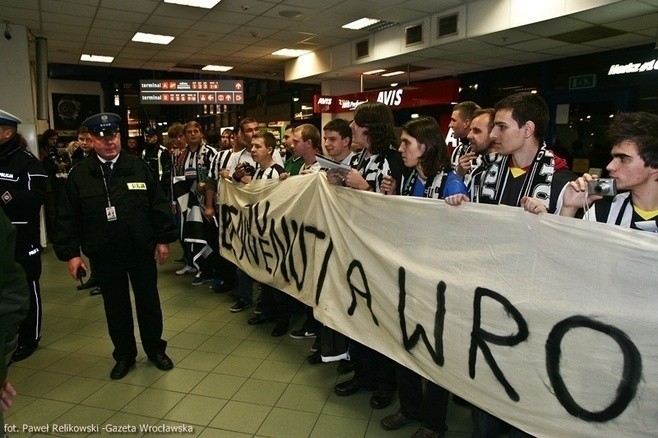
158	159
114	210
22	193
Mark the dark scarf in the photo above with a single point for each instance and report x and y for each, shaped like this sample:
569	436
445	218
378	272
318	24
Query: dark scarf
430	191
489	186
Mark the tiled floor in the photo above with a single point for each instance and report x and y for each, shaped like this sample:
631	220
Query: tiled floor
230	379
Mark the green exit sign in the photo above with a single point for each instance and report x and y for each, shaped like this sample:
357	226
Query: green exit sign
582	81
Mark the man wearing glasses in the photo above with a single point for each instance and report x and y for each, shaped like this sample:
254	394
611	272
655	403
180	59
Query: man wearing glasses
114	209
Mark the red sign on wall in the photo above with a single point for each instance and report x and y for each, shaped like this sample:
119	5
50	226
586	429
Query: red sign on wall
441	92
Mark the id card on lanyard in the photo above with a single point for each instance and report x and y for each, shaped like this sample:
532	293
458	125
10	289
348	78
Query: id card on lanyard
110	210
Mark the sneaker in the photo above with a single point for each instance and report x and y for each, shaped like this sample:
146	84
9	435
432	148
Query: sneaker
186	270
216	283
198	280
240	305
258	310
302	334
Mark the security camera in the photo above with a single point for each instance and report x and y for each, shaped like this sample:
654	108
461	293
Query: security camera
7	35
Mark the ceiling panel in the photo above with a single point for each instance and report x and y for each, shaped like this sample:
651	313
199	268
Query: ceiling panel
245	32
67	8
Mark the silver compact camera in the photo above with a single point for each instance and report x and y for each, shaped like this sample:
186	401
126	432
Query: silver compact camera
602	187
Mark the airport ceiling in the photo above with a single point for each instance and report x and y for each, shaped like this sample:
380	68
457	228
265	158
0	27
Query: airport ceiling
244	33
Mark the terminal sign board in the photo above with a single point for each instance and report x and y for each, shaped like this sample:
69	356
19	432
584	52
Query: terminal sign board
191	92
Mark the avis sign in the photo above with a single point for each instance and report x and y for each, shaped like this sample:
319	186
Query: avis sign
441	92
390	98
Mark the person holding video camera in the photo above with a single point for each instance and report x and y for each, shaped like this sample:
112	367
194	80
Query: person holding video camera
633	169
113	208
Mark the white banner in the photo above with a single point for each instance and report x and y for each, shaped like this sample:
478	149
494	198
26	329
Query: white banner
546	322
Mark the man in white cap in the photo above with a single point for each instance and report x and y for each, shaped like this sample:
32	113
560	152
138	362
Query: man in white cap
113	208
22	193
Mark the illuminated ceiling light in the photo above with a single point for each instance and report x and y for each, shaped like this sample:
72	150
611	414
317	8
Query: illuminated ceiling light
207	4
415	116
152	38
292	53
374	72
394	73
96	58
394	84
360	23
217	68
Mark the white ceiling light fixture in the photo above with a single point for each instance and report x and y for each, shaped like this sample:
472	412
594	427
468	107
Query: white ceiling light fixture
394	73
152	38
360	23
374	72
96	58
207	4
217	68
292	53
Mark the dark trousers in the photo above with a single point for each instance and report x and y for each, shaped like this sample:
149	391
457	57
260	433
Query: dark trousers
371	368
29	331
430	405
113	278
277	305
488	426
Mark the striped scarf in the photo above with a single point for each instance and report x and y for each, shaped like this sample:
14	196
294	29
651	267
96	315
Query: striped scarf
490	185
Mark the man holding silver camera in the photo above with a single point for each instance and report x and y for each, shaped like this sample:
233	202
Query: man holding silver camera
633	168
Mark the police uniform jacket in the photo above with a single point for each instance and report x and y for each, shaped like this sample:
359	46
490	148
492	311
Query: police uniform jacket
143	216
158	159
14	294
22	193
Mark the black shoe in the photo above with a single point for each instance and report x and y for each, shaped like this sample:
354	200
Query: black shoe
280	329
316	345
345	366
162	361
258	319
223	287
351	387
95	291
381	399
314	357
121	368
22	352
241	305
92	282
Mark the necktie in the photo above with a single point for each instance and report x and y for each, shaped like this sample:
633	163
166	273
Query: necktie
107	171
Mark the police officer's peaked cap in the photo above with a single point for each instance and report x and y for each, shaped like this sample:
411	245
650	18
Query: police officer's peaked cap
103	124
9	119
151	131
